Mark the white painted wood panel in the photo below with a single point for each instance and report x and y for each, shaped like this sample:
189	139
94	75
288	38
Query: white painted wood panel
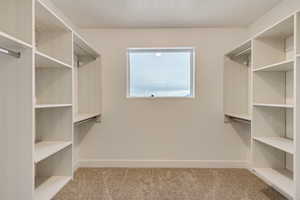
16	126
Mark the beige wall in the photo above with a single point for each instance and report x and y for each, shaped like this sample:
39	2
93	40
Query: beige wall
164	129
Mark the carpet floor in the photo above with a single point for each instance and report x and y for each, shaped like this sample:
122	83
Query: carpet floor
166	184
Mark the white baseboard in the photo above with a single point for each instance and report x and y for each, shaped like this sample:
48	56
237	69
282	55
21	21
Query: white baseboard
163	164
76	166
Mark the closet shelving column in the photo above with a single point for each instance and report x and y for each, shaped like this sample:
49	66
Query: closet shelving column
237	73
87	81
16	102
273	117
53	103
297	108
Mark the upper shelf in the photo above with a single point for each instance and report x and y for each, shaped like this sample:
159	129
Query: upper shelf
11	43
47	20
281	66
282	29
83	50
45	61
242	52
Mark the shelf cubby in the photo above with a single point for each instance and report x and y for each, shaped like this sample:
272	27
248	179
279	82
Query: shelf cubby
16	19
54	124
53	82
237	76
274	45
52	174
87	73
45	149
53	36
273	87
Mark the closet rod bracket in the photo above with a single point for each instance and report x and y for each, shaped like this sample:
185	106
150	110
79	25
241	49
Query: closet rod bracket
10	53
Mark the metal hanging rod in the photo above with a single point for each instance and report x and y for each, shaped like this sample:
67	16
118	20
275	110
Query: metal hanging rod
243	52
10	53
239	120
92	56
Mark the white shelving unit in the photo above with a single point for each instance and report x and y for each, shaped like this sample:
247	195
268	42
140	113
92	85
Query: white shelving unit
273	101
237	72
37	62
87	80
274	109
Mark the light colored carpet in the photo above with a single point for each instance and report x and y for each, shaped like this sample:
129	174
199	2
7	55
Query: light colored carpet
166	184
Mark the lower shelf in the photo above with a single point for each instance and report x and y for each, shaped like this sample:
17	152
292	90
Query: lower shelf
280	179
49	187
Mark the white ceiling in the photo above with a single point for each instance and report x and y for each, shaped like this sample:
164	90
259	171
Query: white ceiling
163	13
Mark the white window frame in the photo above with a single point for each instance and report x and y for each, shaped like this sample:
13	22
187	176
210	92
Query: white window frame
167	49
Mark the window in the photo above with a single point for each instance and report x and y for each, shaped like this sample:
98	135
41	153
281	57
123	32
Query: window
161	72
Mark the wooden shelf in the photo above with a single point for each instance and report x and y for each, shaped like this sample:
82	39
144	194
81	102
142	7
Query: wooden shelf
7	41
52	105
45	61
281	29
242	49
85	116
281	66
239	116
281	179
45	149
85	47
274	105
281	143
46	19
50	187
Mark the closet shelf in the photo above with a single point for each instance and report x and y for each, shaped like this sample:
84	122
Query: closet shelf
85	116
239	116
242	49
274	105
281	179
280	143
45	61
45	149
50	187
52	105
10	42
281	66
281	29
46	19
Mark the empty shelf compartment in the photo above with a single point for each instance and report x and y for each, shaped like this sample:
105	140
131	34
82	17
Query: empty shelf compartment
45	149
281	143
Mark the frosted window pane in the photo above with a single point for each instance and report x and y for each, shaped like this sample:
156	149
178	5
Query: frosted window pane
164	73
